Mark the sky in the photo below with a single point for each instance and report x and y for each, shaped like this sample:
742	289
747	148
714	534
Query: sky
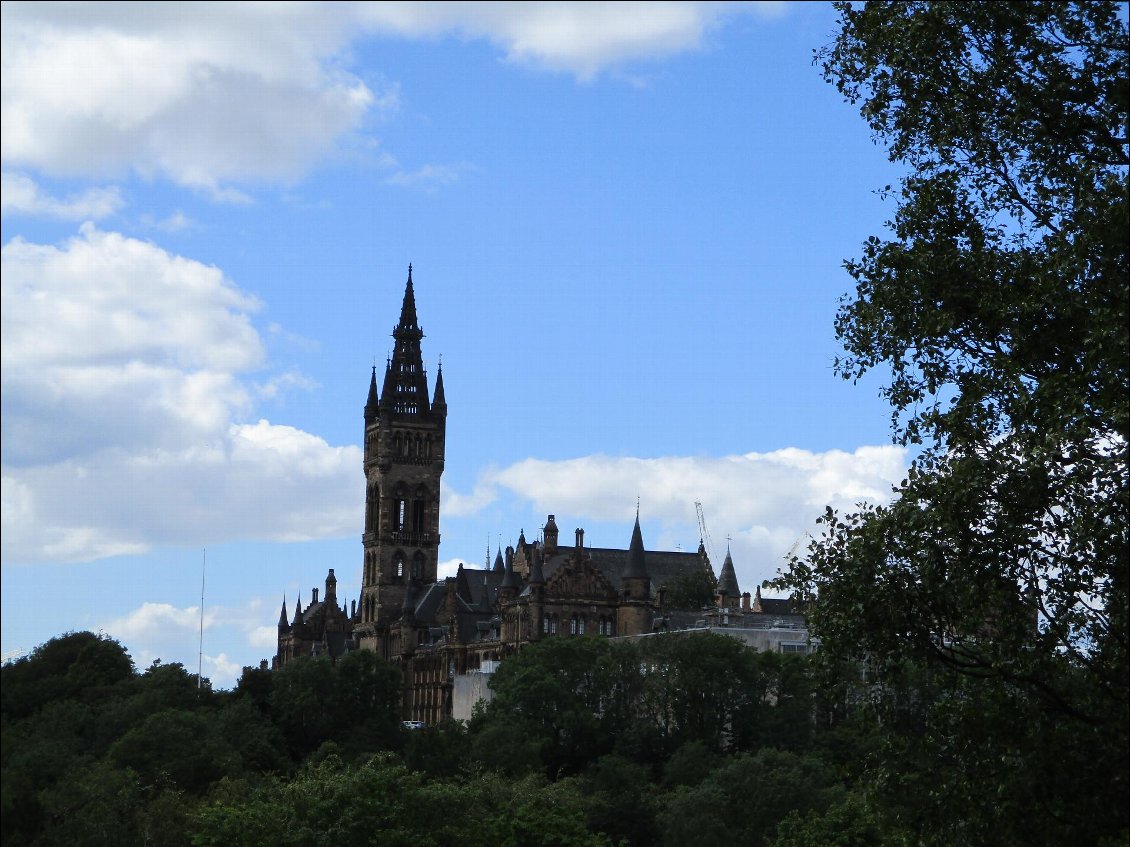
627	224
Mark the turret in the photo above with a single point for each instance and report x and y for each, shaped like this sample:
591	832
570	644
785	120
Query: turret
284	625
331	589
439	402
549	533
729	595
633	616
297	611
372	403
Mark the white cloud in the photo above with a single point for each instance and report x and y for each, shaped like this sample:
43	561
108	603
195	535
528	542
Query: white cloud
764	502
207	95
123	388
201	95
458	505
579	38
428	178
449	567
172	634
150	620
178	221
20	195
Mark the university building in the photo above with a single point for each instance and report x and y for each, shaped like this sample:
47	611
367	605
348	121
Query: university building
439	631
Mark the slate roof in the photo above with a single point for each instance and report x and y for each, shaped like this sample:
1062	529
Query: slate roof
661	566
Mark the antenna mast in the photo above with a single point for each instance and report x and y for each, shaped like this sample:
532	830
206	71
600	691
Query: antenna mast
200	651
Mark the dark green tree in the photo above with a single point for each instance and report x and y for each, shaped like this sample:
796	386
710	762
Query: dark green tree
999	304
743	800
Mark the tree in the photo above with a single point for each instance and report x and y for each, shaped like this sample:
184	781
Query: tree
999	303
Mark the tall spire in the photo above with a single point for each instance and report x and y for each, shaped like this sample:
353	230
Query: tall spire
283	623
408	308
406	384
636	567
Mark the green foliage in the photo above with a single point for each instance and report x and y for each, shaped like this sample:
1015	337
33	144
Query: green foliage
690	590
849	823
999	304
577	699
78	664
745	799
384	802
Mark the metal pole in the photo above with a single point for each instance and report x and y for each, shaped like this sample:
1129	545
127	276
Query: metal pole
200	653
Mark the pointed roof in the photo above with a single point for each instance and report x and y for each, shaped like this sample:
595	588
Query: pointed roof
439	399
372	403
408	307
298	610
282	615
728	578
636	568
537	575
462	587
509	579
499	565
389	386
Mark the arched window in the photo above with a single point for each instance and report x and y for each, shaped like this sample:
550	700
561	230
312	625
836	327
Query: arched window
398	565
573	625
581	625
418	566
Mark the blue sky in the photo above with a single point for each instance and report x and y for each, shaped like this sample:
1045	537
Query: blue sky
627	223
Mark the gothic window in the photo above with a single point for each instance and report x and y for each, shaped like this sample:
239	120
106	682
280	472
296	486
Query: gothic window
418	566
428	447
398	565
573	625
418	515
401	514
580	626
545	625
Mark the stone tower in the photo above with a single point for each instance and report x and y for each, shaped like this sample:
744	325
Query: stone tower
404	450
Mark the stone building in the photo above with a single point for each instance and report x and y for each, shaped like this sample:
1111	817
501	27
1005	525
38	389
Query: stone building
437	630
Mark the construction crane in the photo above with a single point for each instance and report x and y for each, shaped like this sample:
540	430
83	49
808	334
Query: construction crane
703	535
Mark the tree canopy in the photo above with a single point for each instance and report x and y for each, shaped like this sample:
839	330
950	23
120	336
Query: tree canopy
998	303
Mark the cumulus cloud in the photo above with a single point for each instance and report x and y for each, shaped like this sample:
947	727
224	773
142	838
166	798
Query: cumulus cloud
207	94
20	195
201	96
578	38
124	389
161	631
764	502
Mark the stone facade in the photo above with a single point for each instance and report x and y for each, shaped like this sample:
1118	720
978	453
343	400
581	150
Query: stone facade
439	631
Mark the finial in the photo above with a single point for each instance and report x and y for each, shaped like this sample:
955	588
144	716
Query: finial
409	271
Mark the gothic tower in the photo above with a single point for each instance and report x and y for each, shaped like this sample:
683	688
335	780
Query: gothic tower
404	449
